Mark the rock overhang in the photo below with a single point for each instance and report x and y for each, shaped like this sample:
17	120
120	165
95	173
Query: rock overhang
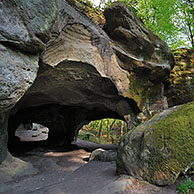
136	46
80	70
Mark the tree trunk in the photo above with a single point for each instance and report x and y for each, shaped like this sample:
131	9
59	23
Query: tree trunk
100	128
111	126
122	128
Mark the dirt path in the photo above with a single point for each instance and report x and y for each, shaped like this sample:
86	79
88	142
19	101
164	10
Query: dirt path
69	172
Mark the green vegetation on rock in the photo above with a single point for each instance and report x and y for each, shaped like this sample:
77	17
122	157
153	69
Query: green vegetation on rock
172	141
181	88
161	148
140	90
87	8
186	186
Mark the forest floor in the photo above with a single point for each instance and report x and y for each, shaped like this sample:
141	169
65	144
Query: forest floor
62	171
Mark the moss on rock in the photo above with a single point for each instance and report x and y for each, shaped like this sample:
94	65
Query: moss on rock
87	8
160	149
181	81
148	95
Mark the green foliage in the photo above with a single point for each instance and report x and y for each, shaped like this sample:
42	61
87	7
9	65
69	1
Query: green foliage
172	20
186	186
164	18
157	15
84	136
103	131
186	18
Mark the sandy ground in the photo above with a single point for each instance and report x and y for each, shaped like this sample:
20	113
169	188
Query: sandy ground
62	171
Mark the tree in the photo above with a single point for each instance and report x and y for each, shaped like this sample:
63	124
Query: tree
172	20
160	16
100	128
186	18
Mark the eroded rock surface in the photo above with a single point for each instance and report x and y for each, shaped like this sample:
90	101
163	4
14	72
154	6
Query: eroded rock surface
17	73
27	24
78	80
63	71
143	54
161	148
139	49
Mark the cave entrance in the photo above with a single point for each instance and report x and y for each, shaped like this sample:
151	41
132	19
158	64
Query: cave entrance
63	123
104	131
31	132
26	136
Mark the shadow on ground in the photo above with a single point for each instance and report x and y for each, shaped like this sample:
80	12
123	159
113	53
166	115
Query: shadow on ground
67	171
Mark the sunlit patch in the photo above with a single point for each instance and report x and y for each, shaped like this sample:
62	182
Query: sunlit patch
32	132
105	131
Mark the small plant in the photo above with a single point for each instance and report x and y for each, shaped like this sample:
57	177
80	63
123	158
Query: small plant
186	187
84	136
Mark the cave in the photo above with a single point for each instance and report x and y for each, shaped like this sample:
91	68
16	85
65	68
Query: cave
64	71
65	98
63	123
60	70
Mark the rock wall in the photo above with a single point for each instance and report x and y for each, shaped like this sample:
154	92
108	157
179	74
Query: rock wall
143	54
61	70
180	85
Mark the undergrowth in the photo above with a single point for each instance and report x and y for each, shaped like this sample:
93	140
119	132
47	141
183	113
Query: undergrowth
186	187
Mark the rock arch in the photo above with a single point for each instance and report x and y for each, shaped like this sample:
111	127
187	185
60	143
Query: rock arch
58	63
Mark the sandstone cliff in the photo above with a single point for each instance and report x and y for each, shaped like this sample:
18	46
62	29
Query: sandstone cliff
61	70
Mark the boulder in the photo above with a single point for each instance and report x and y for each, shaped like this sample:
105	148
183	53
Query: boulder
161	148
78	80
103	155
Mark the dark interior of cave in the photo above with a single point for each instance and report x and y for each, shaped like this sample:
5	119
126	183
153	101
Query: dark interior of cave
63	123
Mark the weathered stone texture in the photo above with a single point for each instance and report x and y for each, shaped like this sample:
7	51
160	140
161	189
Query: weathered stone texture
59	69
26	24
161	148
17	73
143	54
139	49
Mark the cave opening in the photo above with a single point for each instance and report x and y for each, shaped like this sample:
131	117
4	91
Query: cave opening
31	132
103	131
58	125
